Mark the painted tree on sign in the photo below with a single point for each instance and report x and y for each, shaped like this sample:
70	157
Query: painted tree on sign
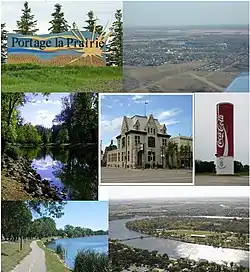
4	43
115	48
91	24
59	24
27	24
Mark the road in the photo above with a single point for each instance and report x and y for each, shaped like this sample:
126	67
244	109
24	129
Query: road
204	80
121	175
34	262
202	180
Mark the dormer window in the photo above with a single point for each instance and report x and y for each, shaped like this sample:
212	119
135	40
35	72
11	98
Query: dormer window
136	127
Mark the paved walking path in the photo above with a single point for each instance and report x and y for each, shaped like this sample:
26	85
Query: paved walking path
34	262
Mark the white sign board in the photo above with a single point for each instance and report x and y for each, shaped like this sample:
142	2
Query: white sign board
225	166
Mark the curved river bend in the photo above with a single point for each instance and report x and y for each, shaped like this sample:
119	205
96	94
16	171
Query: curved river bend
177	249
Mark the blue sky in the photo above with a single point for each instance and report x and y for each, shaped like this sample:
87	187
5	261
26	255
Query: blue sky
41	110
86	214
175	111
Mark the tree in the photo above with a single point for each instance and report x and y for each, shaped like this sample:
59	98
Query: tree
59	24
44	208
27	24
115	47
92	24
4	44
15	218
63	136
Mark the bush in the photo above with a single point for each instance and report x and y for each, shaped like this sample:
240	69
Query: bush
60	251
89	260
13	152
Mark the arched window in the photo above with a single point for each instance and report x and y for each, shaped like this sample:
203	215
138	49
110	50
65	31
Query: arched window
151	142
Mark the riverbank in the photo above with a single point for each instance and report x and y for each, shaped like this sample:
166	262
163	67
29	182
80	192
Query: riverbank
53	261
11	255
126	258
216	233
20	180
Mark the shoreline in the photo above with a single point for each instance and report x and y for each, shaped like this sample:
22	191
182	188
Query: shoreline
180	240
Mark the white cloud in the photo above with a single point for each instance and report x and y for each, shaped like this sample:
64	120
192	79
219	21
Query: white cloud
205	126
168	114
137	97
44	114
111	126
169	122
109	106
49	101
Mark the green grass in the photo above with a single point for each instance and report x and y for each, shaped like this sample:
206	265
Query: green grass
189	232
36	78
11	255
53	263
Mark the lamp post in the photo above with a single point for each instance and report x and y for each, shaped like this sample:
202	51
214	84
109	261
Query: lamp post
162	156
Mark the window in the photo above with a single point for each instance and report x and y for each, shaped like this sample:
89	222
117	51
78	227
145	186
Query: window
149	156
137	127
151	142
151	130
153	153
137	139
128	144
148	130
122	156
128	155
123	142
118	156
109	157
118	143
154	130
164	142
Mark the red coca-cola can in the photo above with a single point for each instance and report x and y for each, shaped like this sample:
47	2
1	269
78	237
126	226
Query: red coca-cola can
225	130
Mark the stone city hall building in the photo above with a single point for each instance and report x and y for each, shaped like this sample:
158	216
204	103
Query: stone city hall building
144	143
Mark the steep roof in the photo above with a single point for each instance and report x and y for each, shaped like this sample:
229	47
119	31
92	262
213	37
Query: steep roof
143	120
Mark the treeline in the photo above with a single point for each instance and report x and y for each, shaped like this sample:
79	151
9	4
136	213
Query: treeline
27	25
127	258
240	226
71	232
17	222
210	167
76	124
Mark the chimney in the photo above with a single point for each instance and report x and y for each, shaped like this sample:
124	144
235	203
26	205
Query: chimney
111	142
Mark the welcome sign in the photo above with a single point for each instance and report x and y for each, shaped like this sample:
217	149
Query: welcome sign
74	47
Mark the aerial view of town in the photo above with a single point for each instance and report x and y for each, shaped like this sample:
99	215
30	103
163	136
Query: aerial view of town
178	233
178	53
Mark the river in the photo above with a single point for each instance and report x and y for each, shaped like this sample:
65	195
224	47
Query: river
73	171
98	243
177	249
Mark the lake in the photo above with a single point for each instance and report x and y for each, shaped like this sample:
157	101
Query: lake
177	249
74	171
98	243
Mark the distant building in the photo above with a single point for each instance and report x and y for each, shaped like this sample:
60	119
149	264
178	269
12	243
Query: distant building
144	143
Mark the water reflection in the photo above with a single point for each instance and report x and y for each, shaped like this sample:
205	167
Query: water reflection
177	249
73	170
